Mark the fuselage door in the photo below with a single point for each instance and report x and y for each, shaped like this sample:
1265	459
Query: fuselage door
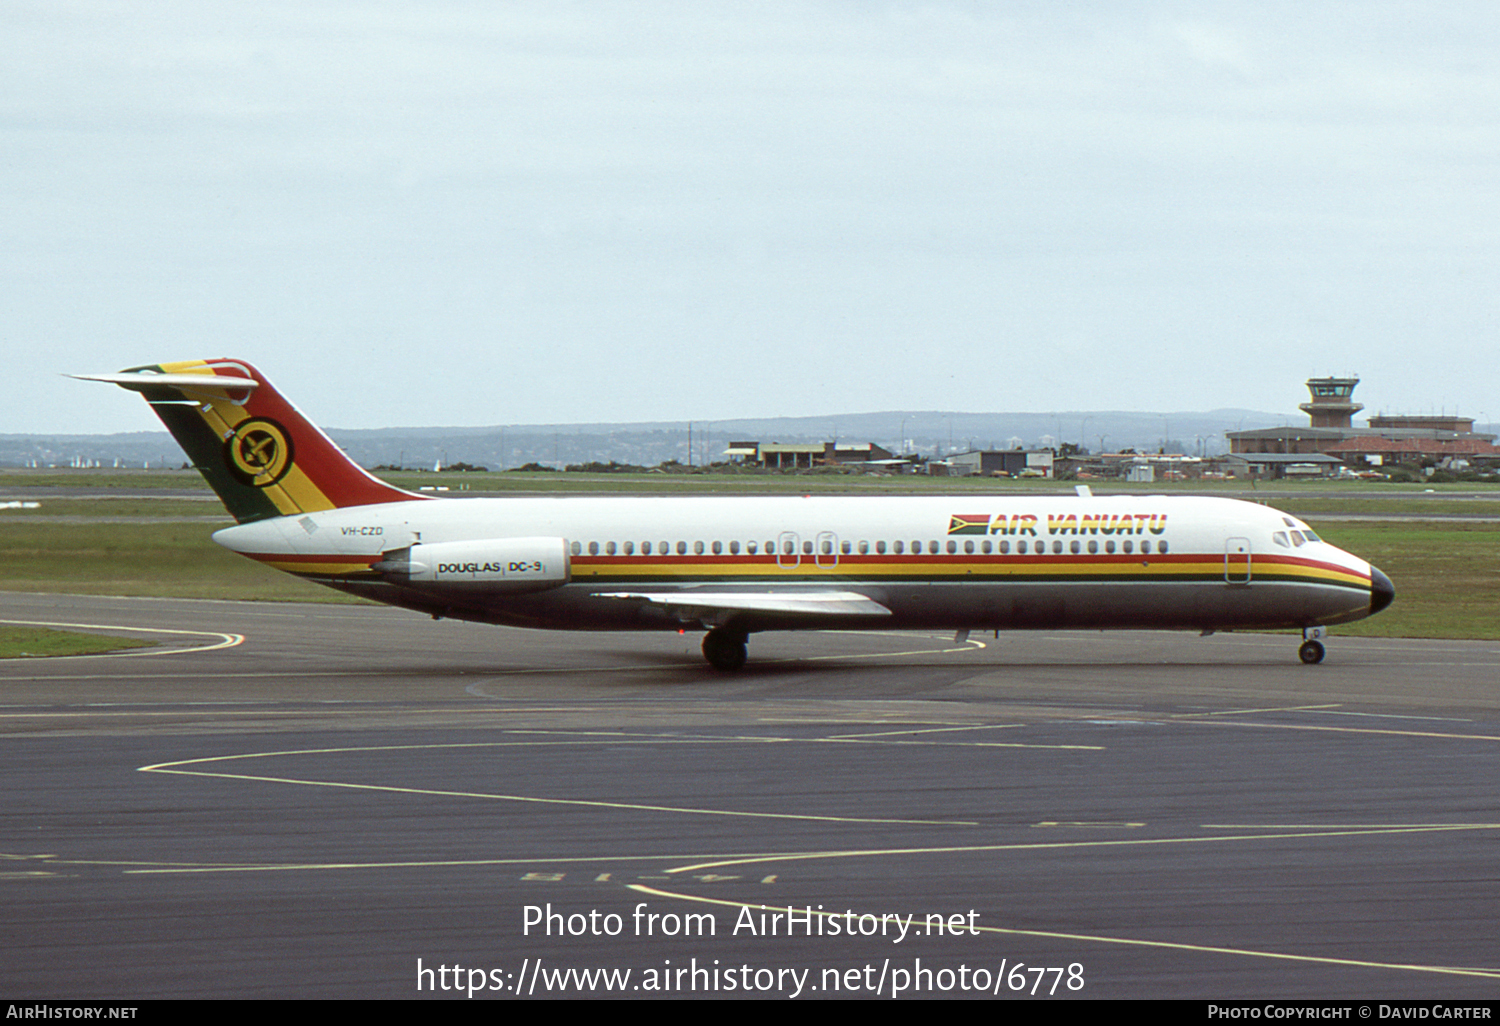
1237	561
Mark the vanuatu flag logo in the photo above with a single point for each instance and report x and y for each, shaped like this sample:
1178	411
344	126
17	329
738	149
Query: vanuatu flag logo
970	524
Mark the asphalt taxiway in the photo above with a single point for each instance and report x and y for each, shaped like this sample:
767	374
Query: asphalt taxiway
335	801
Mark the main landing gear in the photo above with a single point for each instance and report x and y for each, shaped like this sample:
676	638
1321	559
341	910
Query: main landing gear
1311	651
725	649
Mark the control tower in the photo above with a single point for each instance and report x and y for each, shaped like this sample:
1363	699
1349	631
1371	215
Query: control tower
1331	406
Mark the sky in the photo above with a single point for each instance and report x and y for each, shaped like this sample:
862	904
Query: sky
486	213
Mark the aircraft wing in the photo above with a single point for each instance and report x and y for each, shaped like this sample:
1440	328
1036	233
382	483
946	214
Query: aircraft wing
816	603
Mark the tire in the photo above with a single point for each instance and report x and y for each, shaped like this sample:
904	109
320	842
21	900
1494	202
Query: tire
725	651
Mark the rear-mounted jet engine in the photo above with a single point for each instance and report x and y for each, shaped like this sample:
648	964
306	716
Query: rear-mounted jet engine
490	564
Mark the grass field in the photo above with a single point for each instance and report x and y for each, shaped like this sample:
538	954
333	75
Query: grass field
121	480
21	642
160	509
176	560
1447	577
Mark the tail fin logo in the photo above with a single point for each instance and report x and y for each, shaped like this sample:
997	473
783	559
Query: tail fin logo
259	452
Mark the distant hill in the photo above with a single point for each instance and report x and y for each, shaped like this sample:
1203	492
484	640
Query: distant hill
931	433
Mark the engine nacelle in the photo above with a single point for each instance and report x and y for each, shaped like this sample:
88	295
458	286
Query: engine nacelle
490	564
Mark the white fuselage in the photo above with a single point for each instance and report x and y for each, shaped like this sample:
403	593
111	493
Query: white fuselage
953	562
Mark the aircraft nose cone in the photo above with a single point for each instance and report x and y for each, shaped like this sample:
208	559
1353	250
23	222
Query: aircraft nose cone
1382	591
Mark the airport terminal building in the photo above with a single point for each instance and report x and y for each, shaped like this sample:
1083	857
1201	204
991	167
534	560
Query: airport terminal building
1331	438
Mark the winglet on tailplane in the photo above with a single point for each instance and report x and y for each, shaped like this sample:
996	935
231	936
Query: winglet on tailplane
262	456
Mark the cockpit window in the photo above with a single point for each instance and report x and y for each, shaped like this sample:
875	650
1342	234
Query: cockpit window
1280	539
1310	536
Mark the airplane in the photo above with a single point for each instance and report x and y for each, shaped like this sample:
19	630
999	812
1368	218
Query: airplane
732	567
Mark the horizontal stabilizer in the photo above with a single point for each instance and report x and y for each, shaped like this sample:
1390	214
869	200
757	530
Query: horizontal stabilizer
138	382
817	603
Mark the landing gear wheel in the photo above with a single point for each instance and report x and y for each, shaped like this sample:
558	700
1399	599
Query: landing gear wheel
1311	652
725	650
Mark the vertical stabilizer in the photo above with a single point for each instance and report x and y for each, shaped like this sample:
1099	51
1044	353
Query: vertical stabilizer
259	454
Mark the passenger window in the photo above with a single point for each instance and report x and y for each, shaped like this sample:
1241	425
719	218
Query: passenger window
1077	547
1146	546
1127	547
844	548
1020	547
827	547
864	548
609	548
968	548
898	548
953	547
880	548
985	545
1109	546
1161	547
750	547
630	548
1004	548
697	548
665	549
576	549
1093	547
807	548
718	548
593	548
1057	548
682	548
734	548
788	548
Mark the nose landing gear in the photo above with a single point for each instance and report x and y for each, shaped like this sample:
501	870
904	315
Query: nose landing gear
1311	650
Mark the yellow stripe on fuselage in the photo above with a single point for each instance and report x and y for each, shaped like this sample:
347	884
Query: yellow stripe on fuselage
323	565
320	569
1320	573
